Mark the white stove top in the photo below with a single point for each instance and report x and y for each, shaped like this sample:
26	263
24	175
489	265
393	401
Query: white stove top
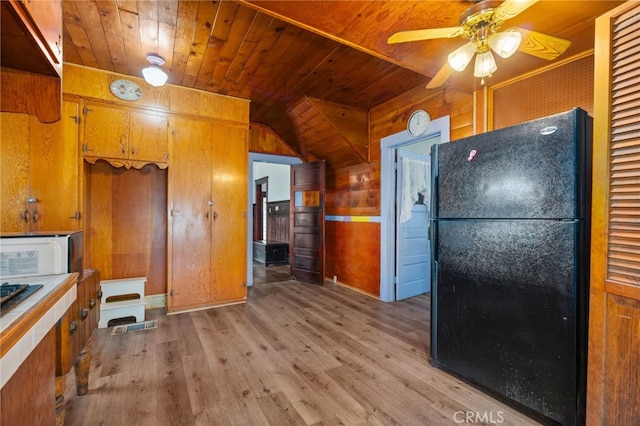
49	284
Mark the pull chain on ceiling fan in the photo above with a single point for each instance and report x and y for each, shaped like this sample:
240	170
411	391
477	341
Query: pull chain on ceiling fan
480	25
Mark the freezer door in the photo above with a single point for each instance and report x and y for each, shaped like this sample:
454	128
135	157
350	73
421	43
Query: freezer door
532	170
507	311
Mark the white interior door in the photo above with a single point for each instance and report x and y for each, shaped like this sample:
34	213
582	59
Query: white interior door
413	252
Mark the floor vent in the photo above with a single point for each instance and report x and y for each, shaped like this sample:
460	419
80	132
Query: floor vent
146	325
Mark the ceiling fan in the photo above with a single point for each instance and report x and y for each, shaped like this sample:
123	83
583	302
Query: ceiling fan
480	24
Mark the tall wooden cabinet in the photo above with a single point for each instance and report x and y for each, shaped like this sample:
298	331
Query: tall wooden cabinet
207	214
614	316
41	169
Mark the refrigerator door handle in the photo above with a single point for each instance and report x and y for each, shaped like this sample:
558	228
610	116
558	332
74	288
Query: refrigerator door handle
434	309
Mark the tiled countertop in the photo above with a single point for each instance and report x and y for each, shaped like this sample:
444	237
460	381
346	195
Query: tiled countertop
22	329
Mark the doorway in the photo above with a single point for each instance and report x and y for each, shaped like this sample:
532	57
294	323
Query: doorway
438	132
413	202
260	222
256	159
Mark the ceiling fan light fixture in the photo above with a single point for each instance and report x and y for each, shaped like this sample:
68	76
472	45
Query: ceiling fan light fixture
506	43
153	74
460	58
485	65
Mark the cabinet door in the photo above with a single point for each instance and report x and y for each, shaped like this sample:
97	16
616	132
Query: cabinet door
105	132
55	170
47	16
148	137
229	186
190	217
614	303
14	171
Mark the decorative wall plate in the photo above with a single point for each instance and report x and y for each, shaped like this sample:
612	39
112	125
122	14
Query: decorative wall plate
126	90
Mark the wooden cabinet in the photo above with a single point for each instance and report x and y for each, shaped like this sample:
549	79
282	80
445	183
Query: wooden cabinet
28	397
125	138
73	339
47	18
55	173
83	318
29	353
614	305
32	40
40	168
32	57
207	222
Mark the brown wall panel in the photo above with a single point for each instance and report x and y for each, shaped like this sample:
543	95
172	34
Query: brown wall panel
264	140
277	221
353	254
354	191
557	90
128	224
622	352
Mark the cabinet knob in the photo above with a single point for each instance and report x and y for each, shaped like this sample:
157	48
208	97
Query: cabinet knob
73	327
92	303
35	216
210	203
100	294
84	313
25	216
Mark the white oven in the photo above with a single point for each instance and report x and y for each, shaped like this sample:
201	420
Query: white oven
40	253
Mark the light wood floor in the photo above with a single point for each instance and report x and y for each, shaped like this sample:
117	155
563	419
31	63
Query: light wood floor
295	354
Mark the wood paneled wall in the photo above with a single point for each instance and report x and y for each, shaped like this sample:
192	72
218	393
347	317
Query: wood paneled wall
263	139
391	117
278	221
353	254
354	191
353	248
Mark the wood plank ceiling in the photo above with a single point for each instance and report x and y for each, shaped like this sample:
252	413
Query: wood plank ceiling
281	54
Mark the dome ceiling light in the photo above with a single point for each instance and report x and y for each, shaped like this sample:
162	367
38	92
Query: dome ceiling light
153	74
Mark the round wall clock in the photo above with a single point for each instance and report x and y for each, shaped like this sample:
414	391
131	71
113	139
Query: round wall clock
126	90
418	122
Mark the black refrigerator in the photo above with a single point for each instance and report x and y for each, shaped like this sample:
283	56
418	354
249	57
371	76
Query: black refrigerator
510	240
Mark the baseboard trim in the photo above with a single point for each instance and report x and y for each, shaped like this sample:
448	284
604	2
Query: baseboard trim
155	301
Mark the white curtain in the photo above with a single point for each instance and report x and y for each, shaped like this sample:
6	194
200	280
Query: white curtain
416	179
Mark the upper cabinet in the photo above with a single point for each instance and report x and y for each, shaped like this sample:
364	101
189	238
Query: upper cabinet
32	36
125	138
31	58
40	166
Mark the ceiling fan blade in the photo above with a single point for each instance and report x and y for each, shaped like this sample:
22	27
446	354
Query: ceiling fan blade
441	76
542	45
511	8
426	34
